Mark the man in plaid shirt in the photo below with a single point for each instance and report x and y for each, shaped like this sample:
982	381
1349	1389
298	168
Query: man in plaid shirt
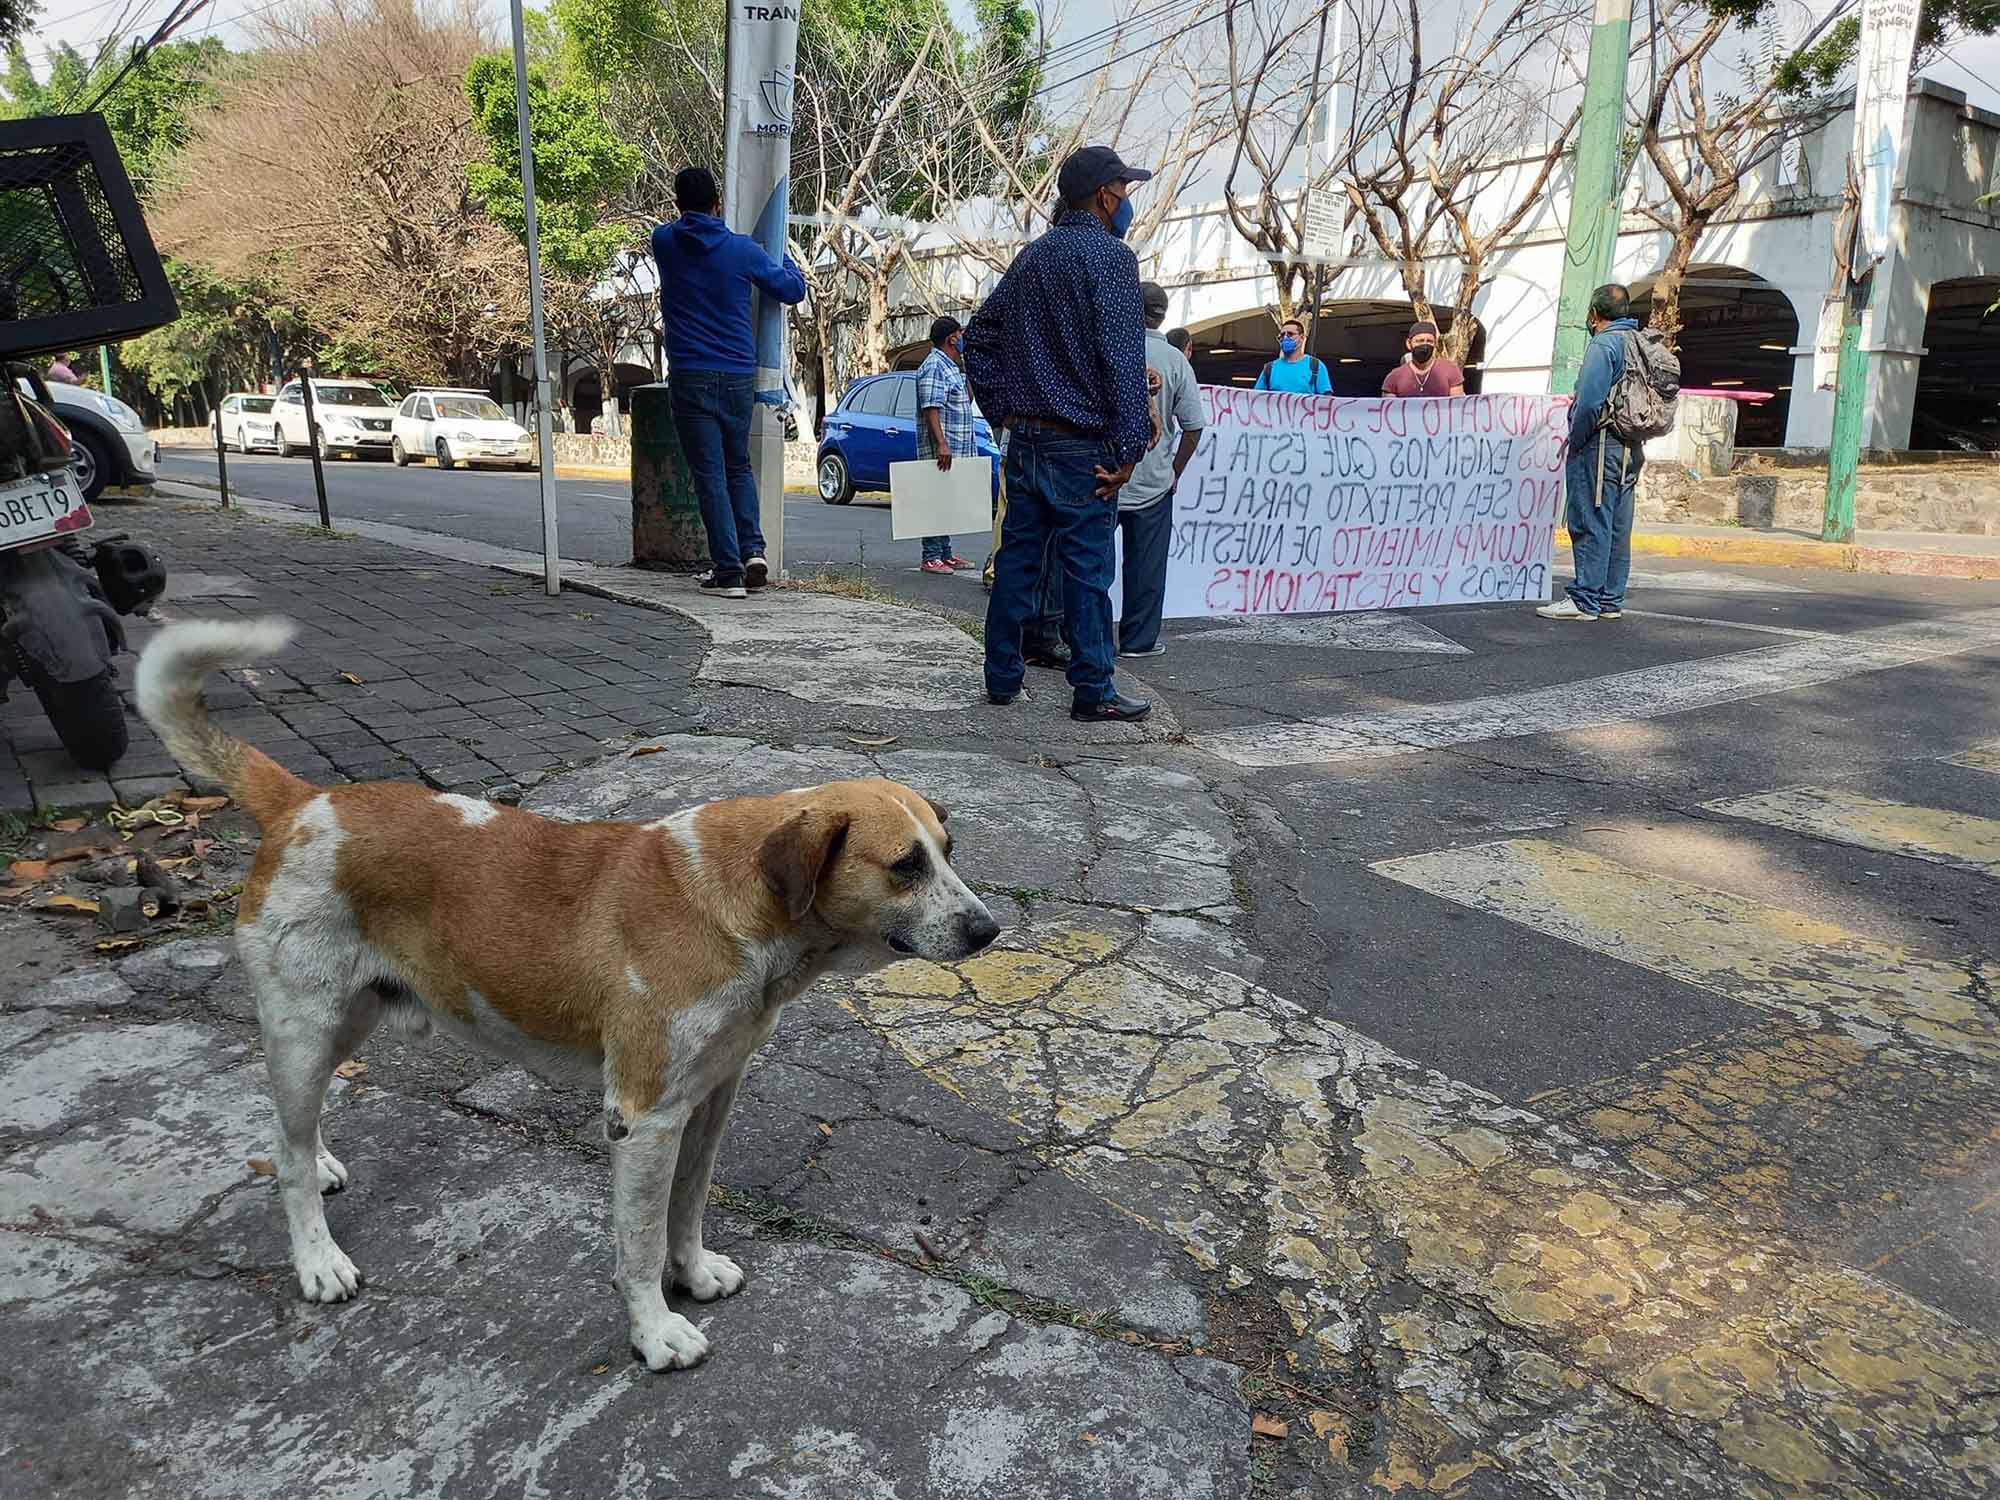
944	424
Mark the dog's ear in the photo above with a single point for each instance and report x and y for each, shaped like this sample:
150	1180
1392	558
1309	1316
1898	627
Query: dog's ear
943	813
795	855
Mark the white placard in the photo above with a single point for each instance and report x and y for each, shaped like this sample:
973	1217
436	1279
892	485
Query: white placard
1826	341
925	500
1322	504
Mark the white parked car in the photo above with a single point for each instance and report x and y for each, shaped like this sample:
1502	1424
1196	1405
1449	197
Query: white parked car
459	427
110	441
354	417
246	422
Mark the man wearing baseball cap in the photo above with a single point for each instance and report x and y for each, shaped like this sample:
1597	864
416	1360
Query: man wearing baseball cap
1425	372
1057	356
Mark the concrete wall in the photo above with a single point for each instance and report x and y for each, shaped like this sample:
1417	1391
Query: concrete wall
1956	496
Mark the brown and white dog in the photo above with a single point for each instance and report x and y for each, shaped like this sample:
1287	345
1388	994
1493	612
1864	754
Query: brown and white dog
652	957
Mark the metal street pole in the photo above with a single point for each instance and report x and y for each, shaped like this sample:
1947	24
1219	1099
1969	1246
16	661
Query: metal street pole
1850	410
104	366
312	442
545	441
1594	195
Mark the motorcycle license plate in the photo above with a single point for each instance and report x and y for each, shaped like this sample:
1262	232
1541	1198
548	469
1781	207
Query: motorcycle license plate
42	505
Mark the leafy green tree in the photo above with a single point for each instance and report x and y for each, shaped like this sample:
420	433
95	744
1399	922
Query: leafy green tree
582	172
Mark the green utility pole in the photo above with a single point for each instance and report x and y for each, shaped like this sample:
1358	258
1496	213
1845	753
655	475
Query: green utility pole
104	365
1850	412
1594	195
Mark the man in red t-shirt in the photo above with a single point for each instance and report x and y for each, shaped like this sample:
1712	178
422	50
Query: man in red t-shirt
1424	373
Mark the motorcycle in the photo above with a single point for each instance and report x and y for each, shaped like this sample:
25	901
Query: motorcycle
60	603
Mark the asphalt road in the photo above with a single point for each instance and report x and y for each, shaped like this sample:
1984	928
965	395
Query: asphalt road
594	521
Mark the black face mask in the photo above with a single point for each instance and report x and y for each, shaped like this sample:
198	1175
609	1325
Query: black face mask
1422	354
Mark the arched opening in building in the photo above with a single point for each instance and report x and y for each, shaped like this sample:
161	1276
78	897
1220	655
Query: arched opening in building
1360	341
1737	333
1958	381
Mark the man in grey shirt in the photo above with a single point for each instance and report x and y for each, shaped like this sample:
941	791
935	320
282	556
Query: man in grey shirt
1146	503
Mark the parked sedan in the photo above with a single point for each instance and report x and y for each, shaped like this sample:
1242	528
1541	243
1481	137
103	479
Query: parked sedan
459	427
246	421
110	441
353	418
874	426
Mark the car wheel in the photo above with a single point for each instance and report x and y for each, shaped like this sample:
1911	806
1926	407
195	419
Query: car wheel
325	449
444	456
93	461
285	448
396	454
836	485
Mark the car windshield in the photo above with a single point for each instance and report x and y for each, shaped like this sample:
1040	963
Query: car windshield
470	409
348	395
258	403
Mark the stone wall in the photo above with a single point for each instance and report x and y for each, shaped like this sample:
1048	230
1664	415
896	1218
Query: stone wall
1958	496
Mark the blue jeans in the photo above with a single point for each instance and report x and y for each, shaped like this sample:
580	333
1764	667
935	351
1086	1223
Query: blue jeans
1147	533
712	415
1052	500
937	549
1600	520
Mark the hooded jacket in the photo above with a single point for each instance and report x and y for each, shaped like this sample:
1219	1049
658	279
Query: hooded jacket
706	272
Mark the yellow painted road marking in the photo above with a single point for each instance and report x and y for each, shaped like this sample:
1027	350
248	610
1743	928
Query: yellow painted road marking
1418	1217
1964	841
1746	950
1979	758
1789	1126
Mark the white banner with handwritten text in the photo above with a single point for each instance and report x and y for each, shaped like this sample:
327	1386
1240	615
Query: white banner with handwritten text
1315	504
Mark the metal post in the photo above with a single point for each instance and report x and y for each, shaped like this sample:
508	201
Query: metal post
312	442
1850	414
221	459
545	442
1594	197
104	366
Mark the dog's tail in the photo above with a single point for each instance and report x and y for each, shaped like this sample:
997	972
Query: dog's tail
171	671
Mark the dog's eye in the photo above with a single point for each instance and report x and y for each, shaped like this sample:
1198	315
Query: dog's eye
910	867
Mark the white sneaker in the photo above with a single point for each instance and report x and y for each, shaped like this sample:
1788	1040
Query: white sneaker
1563	609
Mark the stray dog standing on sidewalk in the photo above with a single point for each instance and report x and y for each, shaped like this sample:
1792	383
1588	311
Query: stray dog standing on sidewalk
650	957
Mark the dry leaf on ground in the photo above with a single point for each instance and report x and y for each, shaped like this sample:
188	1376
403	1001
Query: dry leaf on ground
639	750
871	743
200	847
13	892
69	825
354	1067
1266	1425
118	945
68	903
351	680
824	1128
203	804
29	869
261	1165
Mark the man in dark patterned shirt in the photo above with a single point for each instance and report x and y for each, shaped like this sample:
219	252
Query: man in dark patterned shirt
1057	355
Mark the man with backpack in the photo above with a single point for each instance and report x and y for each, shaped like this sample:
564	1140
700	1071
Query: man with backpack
1626	392
1294	369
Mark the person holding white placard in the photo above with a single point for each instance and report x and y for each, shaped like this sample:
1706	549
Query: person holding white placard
944	424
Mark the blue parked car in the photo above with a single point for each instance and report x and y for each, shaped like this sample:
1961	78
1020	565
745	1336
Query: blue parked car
874	426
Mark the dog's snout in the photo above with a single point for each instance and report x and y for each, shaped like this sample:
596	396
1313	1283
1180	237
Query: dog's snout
978	929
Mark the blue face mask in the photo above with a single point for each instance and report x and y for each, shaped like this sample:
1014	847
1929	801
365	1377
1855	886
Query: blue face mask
1121	218
1288	346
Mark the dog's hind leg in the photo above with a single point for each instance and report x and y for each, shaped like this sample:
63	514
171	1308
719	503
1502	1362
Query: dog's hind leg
642	1183
704	1273
308	1032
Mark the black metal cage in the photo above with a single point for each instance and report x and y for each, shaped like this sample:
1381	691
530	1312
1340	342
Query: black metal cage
77	266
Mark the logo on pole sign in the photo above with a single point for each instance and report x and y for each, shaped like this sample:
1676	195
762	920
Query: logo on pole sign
776	93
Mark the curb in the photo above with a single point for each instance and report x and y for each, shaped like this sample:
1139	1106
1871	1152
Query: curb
1784	552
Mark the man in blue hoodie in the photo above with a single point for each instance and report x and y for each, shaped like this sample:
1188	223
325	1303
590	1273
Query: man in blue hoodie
706	273
1601	477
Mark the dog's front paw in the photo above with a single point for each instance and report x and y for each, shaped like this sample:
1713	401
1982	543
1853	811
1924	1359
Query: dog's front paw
332	1175
328	1276
669	1343
710	1276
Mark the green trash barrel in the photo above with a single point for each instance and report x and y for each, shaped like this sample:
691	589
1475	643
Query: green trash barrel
666	514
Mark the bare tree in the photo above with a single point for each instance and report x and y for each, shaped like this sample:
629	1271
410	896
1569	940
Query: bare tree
336	169
1702	143
1451	154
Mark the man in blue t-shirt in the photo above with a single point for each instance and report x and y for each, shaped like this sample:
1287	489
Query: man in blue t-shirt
1294	369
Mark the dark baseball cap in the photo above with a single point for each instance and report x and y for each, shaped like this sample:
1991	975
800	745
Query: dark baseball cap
1091	168
1155	297
1417	328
